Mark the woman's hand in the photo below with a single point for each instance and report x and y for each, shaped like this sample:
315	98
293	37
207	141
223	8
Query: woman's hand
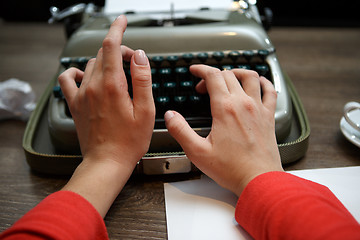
114	130
108	122
242	143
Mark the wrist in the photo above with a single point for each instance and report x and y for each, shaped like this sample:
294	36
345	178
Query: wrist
99	181
118	165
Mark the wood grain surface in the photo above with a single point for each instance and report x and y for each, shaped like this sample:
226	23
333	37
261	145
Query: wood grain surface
323	63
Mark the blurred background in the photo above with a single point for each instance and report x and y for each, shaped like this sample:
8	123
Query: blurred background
286	13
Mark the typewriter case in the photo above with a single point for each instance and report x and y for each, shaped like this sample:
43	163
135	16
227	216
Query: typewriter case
38	143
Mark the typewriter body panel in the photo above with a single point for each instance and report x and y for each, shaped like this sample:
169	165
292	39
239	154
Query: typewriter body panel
237	36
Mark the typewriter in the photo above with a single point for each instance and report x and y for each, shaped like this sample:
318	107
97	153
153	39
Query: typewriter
226	38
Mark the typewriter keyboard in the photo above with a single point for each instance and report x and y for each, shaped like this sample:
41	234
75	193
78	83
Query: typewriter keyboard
174	86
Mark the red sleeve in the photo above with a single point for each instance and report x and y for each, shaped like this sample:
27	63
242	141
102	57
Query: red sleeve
62	215
278	205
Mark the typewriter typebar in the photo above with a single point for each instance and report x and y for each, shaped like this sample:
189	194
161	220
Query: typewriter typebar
222	38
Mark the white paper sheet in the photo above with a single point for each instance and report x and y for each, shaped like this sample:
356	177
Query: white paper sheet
116	6
200	209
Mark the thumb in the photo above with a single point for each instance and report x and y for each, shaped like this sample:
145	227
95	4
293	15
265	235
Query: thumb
183	133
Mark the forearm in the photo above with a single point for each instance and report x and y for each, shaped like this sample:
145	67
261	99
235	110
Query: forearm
61	215
100	182
278	205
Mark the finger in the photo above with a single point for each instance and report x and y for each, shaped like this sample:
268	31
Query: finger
250	82
97	68
201	87
126	53
68	81
269	94
214	80
232	82
112	54
141	82
88	71
180	130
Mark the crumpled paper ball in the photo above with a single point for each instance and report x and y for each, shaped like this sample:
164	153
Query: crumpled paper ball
17	99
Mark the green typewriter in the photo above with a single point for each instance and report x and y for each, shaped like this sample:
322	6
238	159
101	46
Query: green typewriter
226	38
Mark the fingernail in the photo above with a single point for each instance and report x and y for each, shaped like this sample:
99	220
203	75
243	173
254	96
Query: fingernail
118	17
140	57
169	115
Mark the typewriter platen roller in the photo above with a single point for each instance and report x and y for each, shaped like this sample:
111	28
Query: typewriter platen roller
221	38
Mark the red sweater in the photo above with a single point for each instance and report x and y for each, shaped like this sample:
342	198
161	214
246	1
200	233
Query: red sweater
278	205
274	205
62	215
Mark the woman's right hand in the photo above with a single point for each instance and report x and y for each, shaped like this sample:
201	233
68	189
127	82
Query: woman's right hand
242	143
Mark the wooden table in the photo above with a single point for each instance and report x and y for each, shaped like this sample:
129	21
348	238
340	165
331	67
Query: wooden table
323	63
